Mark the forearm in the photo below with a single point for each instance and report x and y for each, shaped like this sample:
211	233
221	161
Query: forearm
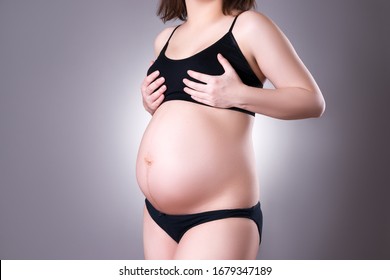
283	103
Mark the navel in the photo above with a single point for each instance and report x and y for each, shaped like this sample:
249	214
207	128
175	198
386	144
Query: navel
148	161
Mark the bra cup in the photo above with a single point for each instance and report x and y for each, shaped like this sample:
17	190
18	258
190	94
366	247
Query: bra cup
205	61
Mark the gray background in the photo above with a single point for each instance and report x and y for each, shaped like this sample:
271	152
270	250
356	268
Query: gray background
71	120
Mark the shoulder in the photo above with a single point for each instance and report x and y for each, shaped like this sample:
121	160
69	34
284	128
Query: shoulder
162	38
253	22
258	32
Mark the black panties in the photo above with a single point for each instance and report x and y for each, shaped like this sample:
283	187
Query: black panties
177	225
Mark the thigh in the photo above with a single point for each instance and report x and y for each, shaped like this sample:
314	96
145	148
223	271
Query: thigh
158	245
229	238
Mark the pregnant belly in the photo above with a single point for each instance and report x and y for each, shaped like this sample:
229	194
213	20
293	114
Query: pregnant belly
193	157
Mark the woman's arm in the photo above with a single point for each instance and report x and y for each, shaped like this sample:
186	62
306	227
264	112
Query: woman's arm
152	87
296	94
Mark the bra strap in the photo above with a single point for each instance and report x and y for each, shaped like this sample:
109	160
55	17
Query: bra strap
234	21
166	44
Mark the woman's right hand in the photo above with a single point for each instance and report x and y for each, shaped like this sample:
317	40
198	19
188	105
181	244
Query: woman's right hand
152	89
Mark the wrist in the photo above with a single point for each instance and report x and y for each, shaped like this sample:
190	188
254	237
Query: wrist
239	98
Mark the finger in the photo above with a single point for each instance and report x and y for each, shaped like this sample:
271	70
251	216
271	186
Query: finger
199	76
194	85
224	62
149	79
154	85
196	94
158	93
152	106
201	100
158	101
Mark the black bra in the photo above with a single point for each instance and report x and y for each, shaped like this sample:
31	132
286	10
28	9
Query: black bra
205	61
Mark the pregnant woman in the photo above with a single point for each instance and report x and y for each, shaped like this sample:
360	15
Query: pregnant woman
196	163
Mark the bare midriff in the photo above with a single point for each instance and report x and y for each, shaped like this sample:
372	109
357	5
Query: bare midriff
195	158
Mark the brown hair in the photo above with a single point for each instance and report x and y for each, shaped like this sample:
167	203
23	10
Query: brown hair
176	9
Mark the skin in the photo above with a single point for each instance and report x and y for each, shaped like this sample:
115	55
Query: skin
296	96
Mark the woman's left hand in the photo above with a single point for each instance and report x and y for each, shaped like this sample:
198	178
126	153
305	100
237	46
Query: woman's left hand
218	91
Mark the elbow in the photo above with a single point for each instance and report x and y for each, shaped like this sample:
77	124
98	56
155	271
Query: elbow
310	110
319	108
314	107
321	105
